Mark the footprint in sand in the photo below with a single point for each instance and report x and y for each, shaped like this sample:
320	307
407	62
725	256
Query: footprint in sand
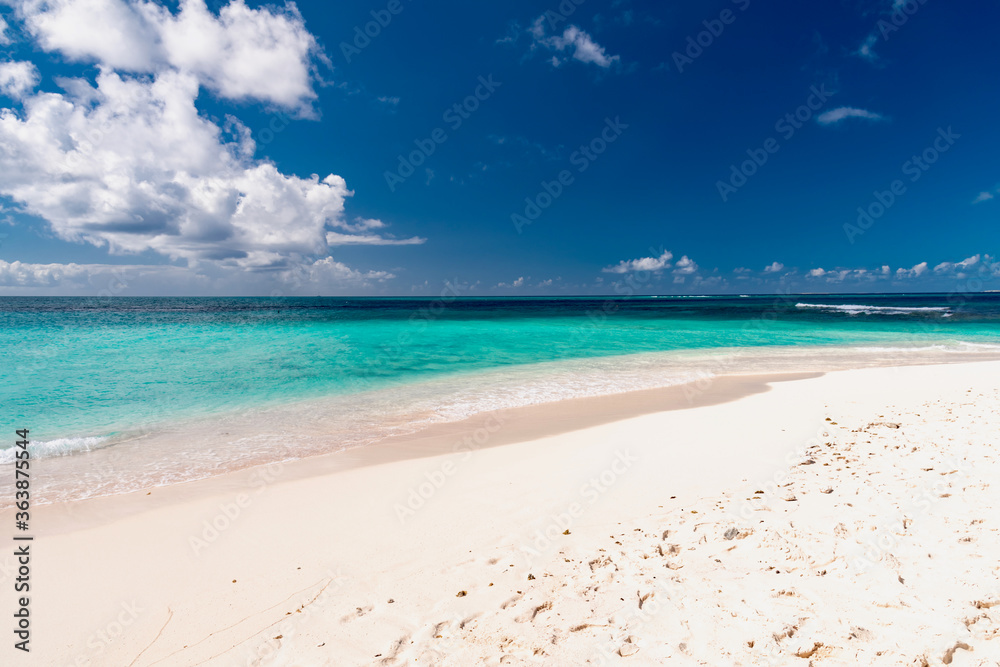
530	615
511	601
397	649
358	613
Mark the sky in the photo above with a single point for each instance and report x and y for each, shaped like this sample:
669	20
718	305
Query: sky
393	147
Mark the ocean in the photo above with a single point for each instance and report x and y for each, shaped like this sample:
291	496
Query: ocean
128	393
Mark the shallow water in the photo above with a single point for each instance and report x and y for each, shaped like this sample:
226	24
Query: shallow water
168	389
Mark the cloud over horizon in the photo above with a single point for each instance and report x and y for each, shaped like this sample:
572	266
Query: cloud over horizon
642	264
129	163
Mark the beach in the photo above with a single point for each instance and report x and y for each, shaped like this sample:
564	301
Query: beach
648	334
840	518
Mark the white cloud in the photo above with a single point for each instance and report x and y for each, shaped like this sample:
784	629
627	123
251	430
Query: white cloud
325	275
840	275
839	114
642	264
517	283
915	272
977	264
18	78
240	53
958	267
987	195
335	239
127	161
360	234
363	225
4	39
113	32
91	279
133	166
574	41
328	271
774	267
685	266
20	274
244	53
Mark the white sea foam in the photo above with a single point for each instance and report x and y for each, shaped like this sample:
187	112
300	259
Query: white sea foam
860	309
58	447
979	346
897	349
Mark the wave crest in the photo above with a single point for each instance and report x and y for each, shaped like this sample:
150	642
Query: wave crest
861	309
50	448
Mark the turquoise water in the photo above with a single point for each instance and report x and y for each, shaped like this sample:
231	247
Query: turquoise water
75	367
83	373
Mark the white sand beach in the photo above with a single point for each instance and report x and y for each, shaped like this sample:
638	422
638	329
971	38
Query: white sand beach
841	519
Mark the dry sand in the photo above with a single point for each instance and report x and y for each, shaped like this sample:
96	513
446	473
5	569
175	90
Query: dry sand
836	520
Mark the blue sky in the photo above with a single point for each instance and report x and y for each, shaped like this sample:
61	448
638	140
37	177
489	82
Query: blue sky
505	148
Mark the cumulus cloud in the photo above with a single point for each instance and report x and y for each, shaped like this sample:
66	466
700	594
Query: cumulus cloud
126	161
685	266
958	268
920	274
517	283
834	116
642	264
840	275
130	164
240	53
915	271
983	264
21	274
18	78
573	43
774	267
328	271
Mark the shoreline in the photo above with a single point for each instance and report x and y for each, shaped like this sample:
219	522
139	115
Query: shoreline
234	555
482	431
149	459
